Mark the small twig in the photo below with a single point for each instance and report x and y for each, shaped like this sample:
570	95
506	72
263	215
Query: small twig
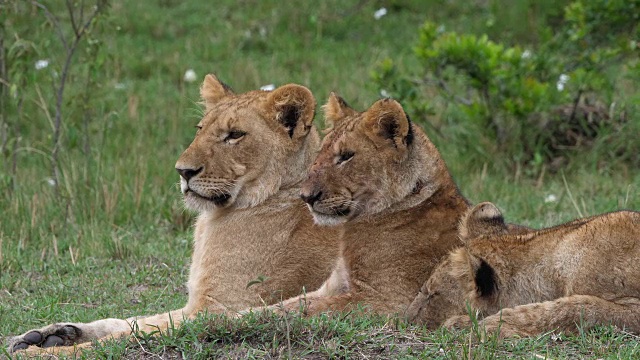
145	350
445	88
73	257
70	51
491	113
42	104
572	118
443	85
573	201
29	149
14	153
56	25
82	11
3	69
72	17
86	112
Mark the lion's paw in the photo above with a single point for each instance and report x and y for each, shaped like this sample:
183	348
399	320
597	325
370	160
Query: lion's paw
458	322
52	335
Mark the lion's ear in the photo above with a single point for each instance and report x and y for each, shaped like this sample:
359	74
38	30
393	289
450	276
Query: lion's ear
484	277
336	109
386	122
212	90
294	107
483	219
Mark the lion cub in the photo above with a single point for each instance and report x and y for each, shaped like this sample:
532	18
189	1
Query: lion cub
585	272
243	174
379	178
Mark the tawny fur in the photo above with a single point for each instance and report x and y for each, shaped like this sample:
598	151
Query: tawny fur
261	229
582	273
381	180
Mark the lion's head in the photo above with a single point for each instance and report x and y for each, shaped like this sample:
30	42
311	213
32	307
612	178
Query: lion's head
440	297
369	161
247	146
463	276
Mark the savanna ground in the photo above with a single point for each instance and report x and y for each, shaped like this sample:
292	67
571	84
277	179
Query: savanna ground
108	237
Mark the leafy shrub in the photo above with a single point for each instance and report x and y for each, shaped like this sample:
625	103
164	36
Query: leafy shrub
536	105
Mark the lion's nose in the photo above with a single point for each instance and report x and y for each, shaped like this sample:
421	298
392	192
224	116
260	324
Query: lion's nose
188	173
311	198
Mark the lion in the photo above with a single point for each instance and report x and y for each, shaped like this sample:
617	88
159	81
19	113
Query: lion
381	180
242	173
575	275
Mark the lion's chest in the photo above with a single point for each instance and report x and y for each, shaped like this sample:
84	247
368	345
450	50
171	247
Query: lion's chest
232	251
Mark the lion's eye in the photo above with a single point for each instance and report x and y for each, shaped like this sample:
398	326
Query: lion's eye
199	127
234	136
344	157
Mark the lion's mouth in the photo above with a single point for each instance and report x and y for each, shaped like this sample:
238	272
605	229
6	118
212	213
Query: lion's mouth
343	211
221	199
218	200
340	212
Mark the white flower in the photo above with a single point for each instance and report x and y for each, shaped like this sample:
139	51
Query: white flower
564	78
121	86
380	13
384	93
190	75
41	64
551	198
268	87
441	29
51	181
526	54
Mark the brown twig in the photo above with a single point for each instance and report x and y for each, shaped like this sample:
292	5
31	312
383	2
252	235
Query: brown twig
576	102
72	17
54	20
70	51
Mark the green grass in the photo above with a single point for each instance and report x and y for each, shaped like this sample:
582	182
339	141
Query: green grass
115	240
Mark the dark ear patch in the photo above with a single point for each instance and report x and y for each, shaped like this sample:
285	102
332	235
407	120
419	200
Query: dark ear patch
496	221
342	102
226	87
486	280
289	116
409	137
388	127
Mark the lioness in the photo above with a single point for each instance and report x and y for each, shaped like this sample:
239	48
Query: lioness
582	273
383	181
242	173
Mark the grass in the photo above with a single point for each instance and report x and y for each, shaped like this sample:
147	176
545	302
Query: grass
114	241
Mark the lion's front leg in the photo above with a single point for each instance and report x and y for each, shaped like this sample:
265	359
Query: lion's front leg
565	314
68	334
160	322
313	305
336	286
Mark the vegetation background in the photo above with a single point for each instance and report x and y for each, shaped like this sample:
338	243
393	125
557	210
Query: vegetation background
92	224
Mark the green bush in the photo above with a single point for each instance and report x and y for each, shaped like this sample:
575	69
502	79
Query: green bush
572	92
